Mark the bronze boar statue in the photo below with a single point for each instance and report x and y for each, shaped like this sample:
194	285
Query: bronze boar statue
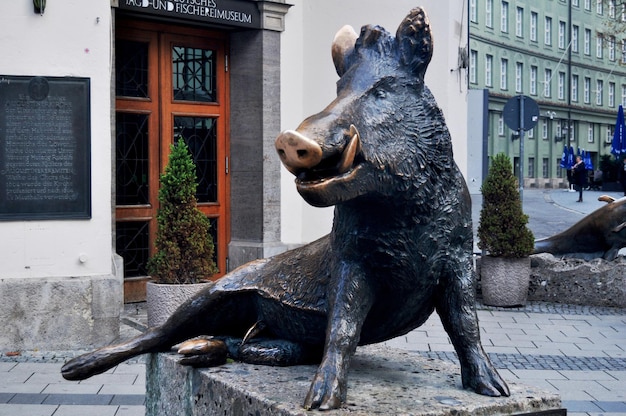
600	234
400	246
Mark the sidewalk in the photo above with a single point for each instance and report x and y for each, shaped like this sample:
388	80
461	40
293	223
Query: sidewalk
577	351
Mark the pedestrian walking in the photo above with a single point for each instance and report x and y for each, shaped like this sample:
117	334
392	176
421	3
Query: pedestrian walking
579	174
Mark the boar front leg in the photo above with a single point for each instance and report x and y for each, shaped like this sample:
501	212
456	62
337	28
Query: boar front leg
349	300
457	311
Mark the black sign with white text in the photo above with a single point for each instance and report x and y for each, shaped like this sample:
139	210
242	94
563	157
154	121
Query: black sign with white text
45	141
225	12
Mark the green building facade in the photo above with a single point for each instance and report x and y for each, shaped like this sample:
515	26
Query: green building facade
556	52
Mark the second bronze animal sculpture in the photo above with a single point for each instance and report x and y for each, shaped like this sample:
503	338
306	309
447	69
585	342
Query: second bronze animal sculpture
400	247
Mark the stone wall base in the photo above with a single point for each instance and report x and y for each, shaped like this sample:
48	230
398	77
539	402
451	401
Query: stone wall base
381	381
61	313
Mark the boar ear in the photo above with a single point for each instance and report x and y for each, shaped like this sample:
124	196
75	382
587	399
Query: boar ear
415	42
343	45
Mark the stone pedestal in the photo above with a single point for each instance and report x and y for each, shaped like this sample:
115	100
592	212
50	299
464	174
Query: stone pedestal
381	381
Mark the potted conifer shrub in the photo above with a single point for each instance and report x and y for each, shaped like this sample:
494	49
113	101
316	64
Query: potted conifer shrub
503	234
183	259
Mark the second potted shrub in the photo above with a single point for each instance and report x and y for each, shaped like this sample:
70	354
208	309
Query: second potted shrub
503	234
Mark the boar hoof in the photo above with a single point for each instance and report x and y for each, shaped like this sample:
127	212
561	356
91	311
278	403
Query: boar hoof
327	392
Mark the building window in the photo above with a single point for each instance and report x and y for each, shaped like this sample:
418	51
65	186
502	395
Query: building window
609	134
561	91
623	95
548	31
545	167
531	133
611	94
547	80
519	68
500	125
559	128
575	3
611	46
575	88
472	11
544	129
612	9
599	87
533	80
561	35
575	38
587	90
489	13
624	51
519	22
587	4
599	6
504	17
488	70
531	167
504	63
587	42
472	66
599	39
533	26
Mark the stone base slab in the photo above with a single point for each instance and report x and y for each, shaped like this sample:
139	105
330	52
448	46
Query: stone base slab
381	381
573	281
60	313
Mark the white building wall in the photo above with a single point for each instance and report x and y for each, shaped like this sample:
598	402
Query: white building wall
59	288
72	38
308	80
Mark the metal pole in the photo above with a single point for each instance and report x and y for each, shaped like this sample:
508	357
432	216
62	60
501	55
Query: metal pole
521	148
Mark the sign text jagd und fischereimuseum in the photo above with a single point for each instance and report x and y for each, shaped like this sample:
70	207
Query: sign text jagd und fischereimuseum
225	12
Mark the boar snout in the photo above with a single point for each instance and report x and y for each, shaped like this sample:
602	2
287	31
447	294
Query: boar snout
297	152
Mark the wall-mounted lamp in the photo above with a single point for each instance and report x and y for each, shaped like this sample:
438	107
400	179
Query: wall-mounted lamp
39	6
550	114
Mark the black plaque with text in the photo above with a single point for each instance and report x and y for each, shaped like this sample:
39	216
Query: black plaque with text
45	148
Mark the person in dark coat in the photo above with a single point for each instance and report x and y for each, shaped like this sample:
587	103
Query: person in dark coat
579	174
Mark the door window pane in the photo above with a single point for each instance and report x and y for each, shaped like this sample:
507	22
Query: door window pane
132	242
200	135
131	160
193	73
131	69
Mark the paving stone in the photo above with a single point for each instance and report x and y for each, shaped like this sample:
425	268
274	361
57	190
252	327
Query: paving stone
131	411
79	399
580	406
123	389
72	388
65	410
28	409
21	387
28	398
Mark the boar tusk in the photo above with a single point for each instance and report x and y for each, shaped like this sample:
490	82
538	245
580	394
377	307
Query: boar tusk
350	152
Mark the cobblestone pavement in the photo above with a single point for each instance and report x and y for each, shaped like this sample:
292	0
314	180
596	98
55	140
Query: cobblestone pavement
578	352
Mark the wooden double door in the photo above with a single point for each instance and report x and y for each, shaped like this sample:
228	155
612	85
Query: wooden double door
171	84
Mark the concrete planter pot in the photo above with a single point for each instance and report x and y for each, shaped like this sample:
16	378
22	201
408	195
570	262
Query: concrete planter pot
163	299
505	281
